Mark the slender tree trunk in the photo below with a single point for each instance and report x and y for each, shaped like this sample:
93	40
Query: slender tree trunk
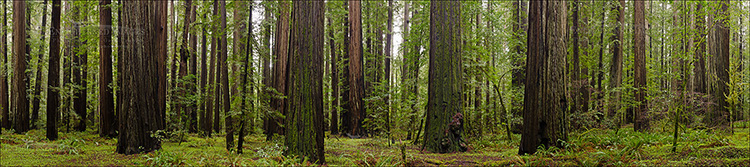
106	101
699	83
388	45
405	72
18	92
304	119
4	105
334	81
137	105
344	116
640	114
185	56
205	116
576	71
53	75
248	54
39	78
356	112
194	71
228	120
445	85
266	58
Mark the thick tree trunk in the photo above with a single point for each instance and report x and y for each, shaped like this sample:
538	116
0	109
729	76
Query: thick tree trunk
137	105
106	101
699	72
640	114
304	119
356	112
205	116
193	108
53	75
444	120
18	92
544	99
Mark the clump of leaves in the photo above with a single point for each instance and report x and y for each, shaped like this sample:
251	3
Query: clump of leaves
69	146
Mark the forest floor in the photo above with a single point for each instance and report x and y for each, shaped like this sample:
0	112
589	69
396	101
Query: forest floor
594	147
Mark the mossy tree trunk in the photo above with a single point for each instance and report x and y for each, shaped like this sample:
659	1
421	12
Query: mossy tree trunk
444	122
304	119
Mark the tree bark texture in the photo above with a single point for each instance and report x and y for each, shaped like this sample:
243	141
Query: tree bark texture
280	70
106	101
138	110
444	122
304	119
18	91
545	103
641	113
356	112
53	75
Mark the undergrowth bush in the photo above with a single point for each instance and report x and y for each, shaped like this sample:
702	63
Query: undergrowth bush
163	158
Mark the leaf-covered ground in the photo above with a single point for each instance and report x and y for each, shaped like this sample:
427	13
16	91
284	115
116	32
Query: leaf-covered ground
589	148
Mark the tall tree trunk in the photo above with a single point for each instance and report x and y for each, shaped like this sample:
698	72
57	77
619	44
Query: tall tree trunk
640	114
444	104
248	54
106	101
53	75
266	58
205	114
719	48
615	72
356	111
405	72
38	83
334	80
79	76
4	105
699	82
228	120
576	71
304	119
388	45
544	100
138	109
518	81
185	53
280	70
193	108
160	27
18	92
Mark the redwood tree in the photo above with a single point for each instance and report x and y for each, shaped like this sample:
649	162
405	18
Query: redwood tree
544	99
444	122
274	123
356	112
18	91
304	117
4	105
106	101
138	107
639	81
53	75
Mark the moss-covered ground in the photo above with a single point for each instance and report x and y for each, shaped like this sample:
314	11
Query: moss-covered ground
594	147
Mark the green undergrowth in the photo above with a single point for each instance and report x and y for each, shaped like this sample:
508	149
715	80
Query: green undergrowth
594	147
